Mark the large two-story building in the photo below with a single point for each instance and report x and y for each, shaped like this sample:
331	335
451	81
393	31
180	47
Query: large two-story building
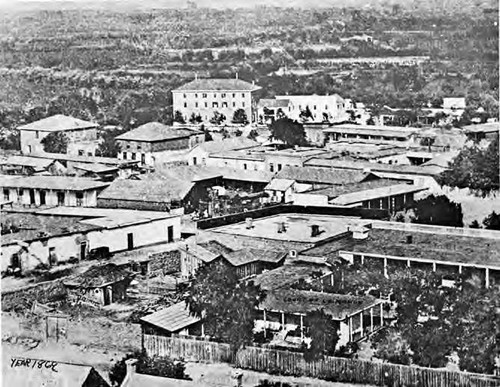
82	135
204	97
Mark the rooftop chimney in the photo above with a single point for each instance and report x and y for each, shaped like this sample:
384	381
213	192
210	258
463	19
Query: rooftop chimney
315	231
281	227
236	75
249	223
196	76
359	232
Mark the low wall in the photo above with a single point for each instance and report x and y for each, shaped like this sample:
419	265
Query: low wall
167	261
294	209
42	292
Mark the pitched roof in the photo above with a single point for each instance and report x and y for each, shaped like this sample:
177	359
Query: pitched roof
154	190
488	127
337	190
232	143
249	175
51	182
218	84
279	185
201	253
143	380
246	256
388	131
84	159
155	131
27	161
287	275
321	175
173	318
337	306
376	193
49	373
95	167
99	275
58	123
216	247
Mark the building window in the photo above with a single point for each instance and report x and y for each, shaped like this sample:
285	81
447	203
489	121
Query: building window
223	95
215	104
89	154
60	198
204	95
243	95
80	152
271	167
234	104
143	158
326	107
6	194
279	167
79	198
243	104
234	95
128	146
215	95
195	95
124	155
37	134
185	96
185	104
133	155
245	166
206	105
196	104
224	104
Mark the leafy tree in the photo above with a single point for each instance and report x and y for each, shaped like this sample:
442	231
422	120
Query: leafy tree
10	140
195	119
474	224
156	366
217	118
370	121
240	117
474	168
238	133
290	132
108	147
324	334
178	117
227	305
55	142
438	210
306	114
208	135
492	221
253	134
392	346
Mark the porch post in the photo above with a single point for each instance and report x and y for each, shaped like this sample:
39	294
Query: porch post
487	278
385	267
434	266
459	269
362	259
202	329
265	323
381	314
282	320
408	263
349	324
371	319
301	328
361	323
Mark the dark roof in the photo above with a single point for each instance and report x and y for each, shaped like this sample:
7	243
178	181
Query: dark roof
96	168
59	375
85	159
34	227
337	306
427	246
59	123
489	127
386	131
226	144
99	275
201	253
246	256
152	190
218	84
27	161
321	175
155	131
216	247
287	275
249	175
173	318
51	183
374	167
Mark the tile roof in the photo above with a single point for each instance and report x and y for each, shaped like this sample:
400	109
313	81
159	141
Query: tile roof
58	123
232	143
143	380
374	167
187	173
376	193
249	175
61	183
246	256
85	159
34	227
98	276
173	318
27	161
201	253
155	131
154	190
337	306
308	174
287	275
337	190
218	84
51	373
216	247
279	185
488	127
96	168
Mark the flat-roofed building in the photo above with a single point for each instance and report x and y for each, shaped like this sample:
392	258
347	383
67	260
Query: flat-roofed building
323	108
206	96
154	143
51	190
82	135
380	134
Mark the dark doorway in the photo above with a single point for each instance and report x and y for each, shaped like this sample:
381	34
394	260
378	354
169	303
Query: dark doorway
32	196
143	159
42	198
170	232
83	250
108	295
130	241
60	198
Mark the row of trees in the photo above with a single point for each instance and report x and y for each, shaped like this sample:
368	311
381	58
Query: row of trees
239	117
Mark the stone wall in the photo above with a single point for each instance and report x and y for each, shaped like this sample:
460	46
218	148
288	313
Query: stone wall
167	262
24	297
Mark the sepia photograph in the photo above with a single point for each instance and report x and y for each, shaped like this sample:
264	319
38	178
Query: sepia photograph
260	193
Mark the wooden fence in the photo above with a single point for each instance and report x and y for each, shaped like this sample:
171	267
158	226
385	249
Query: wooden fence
331	368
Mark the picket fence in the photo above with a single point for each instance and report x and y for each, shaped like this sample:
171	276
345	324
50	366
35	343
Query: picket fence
280	362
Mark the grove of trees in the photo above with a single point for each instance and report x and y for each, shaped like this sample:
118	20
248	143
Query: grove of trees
289	131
